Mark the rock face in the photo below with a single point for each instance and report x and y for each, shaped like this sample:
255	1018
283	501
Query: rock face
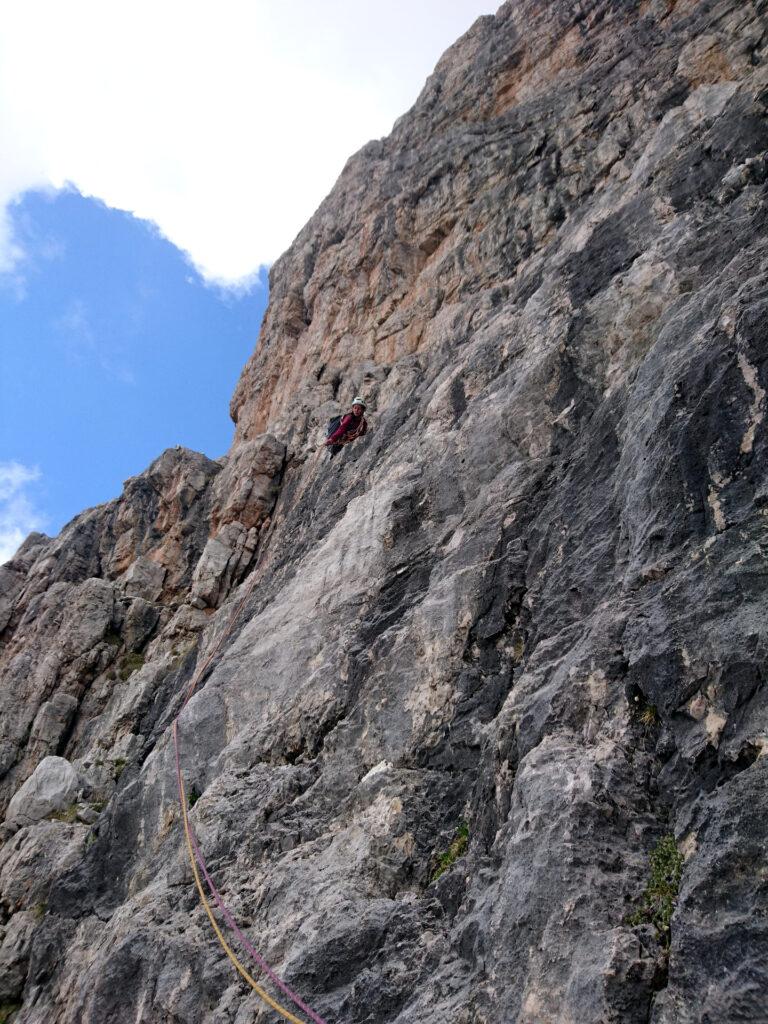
52	786
497	650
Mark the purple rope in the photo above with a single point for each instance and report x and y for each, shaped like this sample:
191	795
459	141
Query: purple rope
225	911
244	940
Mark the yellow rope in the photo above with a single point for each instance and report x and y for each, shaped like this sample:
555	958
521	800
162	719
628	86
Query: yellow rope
254	985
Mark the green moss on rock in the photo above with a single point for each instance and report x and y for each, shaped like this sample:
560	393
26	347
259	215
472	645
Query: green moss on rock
657	903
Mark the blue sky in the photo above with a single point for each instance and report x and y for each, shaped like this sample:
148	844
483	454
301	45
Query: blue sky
112	349
155	159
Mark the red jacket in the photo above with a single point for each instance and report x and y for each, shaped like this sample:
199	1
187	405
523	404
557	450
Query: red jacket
350	428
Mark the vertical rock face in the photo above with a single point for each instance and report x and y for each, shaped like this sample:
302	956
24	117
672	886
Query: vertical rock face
497	652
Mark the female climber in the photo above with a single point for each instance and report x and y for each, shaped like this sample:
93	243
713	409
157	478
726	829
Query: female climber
350	427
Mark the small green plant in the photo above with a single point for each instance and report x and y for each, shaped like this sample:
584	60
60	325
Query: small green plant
456	850
645	713
657	904
118	767
98	805
180	656
69	814
518	649
129	664
648	716
194	795
39	909
112	638
7	1010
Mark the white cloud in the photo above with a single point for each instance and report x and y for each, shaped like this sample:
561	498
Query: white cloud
18	515
225	123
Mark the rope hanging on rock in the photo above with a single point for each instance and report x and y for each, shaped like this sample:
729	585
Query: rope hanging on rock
198	864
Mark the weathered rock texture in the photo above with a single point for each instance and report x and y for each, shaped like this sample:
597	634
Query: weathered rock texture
51	787
533	599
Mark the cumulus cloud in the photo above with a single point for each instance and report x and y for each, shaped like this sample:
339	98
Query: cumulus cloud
224	124
18	515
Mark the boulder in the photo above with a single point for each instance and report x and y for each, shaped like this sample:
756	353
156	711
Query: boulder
51	787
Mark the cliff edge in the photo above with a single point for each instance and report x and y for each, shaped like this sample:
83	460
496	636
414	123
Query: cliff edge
486	741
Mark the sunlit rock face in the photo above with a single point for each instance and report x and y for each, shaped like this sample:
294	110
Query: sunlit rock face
497	650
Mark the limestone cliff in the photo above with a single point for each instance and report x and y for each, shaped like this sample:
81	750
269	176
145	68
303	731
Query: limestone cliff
498	652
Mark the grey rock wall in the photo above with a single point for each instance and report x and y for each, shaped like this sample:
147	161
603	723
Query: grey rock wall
523	620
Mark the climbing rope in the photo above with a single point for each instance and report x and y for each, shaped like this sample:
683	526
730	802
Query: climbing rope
243	939
198	864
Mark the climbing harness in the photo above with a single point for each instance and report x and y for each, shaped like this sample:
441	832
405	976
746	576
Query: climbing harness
198	864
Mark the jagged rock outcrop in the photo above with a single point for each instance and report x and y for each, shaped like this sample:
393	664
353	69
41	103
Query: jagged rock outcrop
497	650
96	617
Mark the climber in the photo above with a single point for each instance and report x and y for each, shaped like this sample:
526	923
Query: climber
350	427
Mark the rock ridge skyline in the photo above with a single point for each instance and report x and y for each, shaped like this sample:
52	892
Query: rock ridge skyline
507	652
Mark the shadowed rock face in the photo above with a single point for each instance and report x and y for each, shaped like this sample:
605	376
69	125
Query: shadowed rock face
531	600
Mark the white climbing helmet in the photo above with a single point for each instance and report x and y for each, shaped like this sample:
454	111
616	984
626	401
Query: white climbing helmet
358	401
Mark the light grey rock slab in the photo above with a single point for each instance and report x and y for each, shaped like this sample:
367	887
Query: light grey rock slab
53	786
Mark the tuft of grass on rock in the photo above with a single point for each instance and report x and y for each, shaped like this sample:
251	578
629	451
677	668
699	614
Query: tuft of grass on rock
180	656
118	767
657	904
648	716
69	814
7	1010
112	638
129	664
456	850
645	713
